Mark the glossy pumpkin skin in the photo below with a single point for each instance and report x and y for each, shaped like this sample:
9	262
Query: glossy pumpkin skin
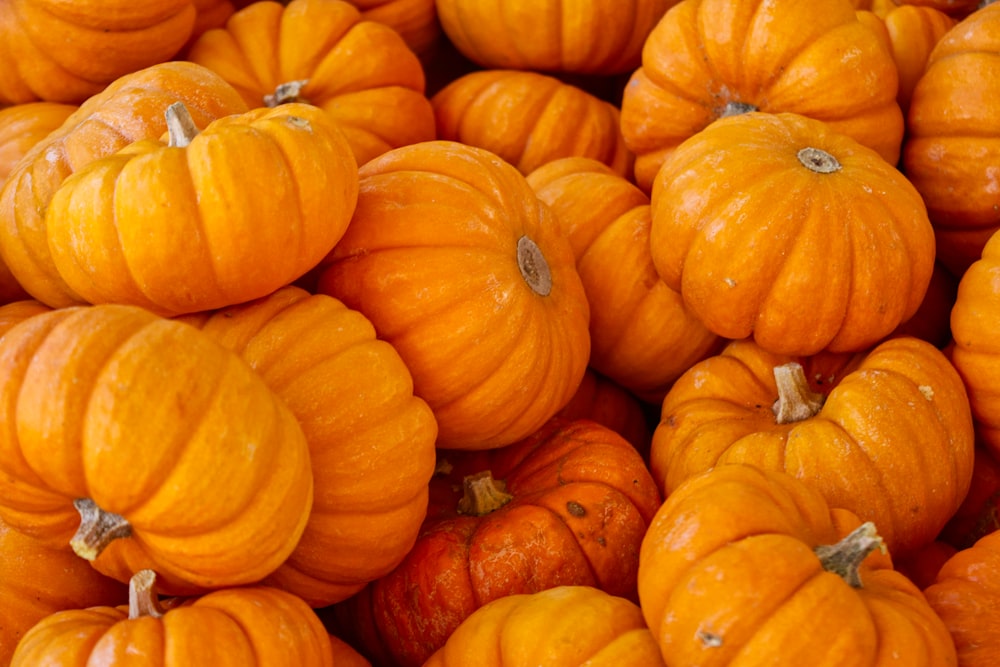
642	336
358	71
522	117
462	269
728	572
371	441
173	229
707	57
37	580
582	625
155	422
913	32
416	21
892	440
952	137
580	36
966	595
582	498
130	109
758	214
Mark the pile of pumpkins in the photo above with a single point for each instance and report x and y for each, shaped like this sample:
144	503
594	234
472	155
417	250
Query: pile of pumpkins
451	332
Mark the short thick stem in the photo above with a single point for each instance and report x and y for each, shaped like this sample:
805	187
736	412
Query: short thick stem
818	160
845	557
482	494
796	401
534	267
97	529
142	597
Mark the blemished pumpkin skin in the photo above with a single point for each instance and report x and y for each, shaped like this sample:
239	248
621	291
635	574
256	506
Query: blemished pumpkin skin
371	441
522	117
141	442
172	226
567	506
324	53
416	21
779	228
24	125
58	51
748	565
130	109
642	336
952	140
463	270
251	626
37	580
582	625
707	59
966	596
886	433
580	36
606	402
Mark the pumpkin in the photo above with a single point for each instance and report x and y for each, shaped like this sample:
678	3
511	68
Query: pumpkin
324	53
24	125
642	336
345	655
922	566
129	109
966	596
952	137
776	226
463	270
956	8
566	506
582	36
37	580
886	433
932	320
707	59
57	51
979	513
606	402
913	31
521	116
371	441
17	311
582	625
254	625
747	565
141	442
416	21
173	226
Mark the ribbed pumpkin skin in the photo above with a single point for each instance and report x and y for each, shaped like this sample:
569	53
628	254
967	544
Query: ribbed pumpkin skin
62	51
728	575
582	625
779	56
251	204
24	125
129	109
371	441
762	242
416	21
360	72
154	421
913	33
432	258
17	311
254	626
892	442
522	117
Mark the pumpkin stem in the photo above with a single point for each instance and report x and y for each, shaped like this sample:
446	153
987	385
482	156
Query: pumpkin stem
97	529
818	160
180	126
482	494
796	401
142	597
286	92
736	109
534	269
845	557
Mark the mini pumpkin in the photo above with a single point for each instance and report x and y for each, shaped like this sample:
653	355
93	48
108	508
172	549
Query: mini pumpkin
24	125
914	31
606	402
979	513
416	21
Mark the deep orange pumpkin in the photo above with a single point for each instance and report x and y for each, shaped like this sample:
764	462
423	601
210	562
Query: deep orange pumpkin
979	513
606	402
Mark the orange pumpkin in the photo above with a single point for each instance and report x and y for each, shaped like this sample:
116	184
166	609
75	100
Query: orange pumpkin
642	336
416	21
235	627
913	32
17	311
707	59
606	402
143	443
130	109
462	269
886	433
580	625
932	320
24	125
979	513
371	441
323	52
743	564
521	116
776	226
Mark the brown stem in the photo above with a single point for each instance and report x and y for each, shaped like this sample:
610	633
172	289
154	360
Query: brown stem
285	93
534	268
796	401
817	160
142	597
845	557
482	494
180	126
97	529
